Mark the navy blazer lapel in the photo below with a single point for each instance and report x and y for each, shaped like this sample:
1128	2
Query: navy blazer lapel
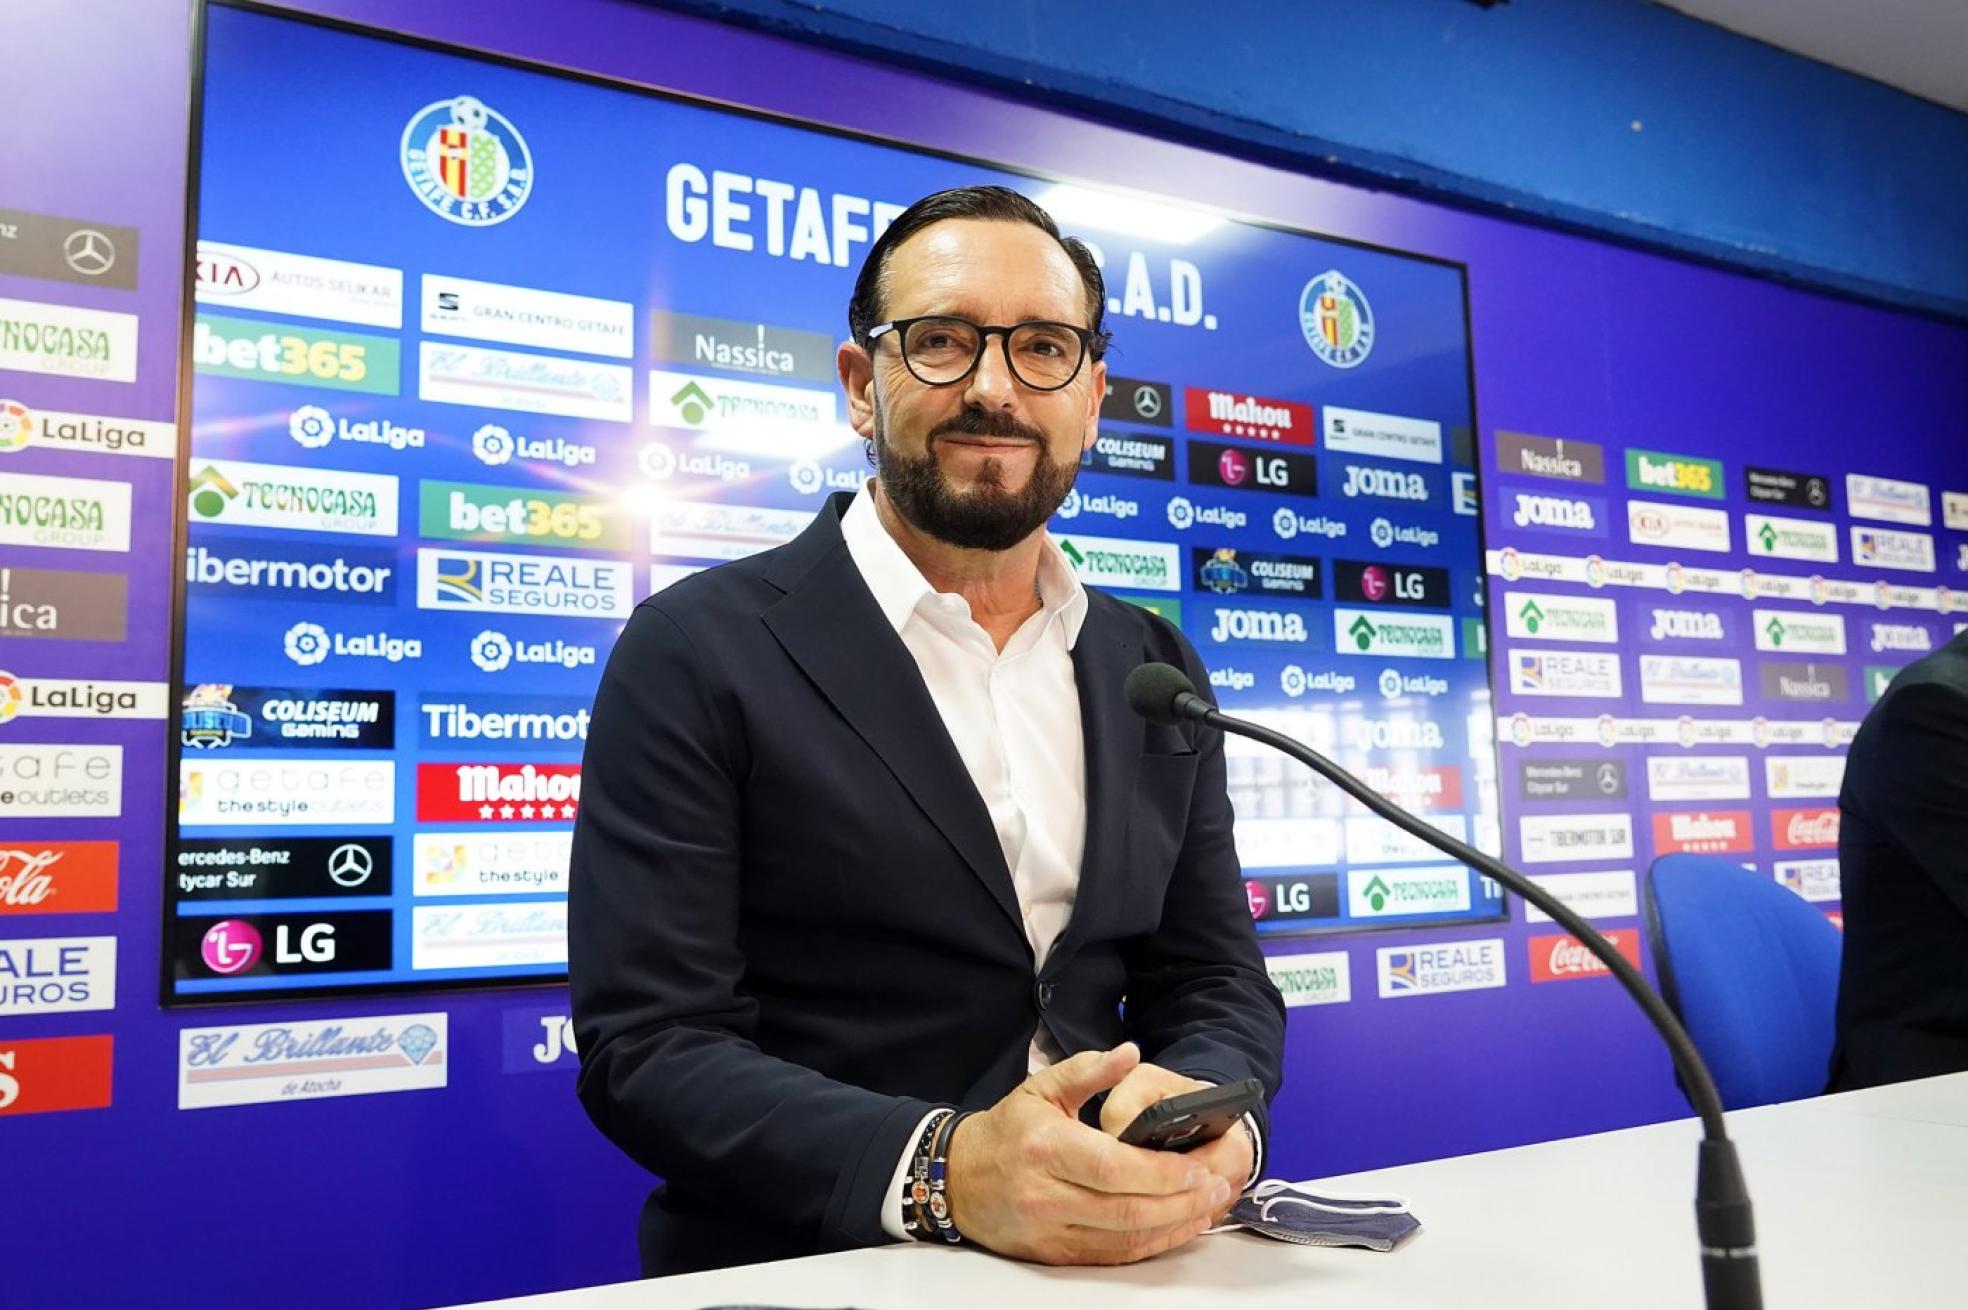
1107	651
832	628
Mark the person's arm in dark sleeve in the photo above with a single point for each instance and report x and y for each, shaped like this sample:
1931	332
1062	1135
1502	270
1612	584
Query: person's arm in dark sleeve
1918	796
669	1070
1199	1001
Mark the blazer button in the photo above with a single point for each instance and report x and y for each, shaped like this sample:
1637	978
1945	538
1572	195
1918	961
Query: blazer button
1044	992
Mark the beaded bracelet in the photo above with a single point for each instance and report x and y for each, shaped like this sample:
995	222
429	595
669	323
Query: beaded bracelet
939	1174
915	1183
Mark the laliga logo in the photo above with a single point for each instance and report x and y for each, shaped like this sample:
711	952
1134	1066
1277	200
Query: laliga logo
311	426
492	444
1390	684
1181	514
491	651
1285	524
1070	507
658	461
1292	681
16	426
306	643
1382	533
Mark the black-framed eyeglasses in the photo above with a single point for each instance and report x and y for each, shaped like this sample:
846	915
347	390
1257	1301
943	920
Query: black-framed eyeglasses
941	349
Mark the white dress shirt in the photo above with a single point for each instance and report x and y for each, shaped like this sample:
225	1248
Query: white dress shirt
1014	716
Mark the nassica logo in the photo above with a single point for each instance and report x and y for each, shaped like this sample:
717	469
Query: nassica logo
466	162
1336	319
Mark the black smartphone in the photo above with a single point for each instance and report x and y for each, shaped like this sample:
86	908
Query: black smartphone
1181	1123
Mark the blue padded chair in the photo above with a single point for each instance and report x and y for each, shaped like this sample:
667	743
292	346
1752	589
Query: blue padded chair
1751	970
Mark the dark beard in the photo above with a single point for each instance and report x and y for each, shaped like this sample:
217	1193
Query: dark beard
988	517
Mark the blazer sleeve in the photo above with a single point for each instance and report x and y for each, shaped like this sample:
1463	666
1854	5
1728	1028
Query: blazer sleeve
669	1070
1917	794
1199	1000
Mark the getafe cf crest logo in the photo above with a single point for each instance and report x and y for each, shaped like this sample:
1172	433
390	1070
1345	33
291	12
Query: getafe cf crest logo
1337	320
466	162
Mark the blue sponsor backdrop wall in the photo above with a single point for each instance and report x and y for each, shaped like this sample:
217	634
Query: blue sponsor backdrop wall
495	1184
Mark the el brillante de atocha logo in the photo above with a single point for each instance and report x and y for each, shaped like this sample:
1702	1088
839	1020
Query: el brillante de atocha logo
467	162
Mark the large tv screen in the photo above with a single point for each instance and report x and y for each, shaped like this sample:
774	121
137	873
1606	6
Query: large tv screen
483	354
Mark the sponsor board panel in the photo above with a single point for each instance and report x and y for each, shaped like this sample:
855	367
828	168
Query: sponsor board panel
1560	957
40	1075
255	867
1814	880
67	341
1440	967
57	513
504	863
1312	977
297	285
57	877
57	975
1603	894
488	936
61	781
1555	838
485	378
308	1059
286	792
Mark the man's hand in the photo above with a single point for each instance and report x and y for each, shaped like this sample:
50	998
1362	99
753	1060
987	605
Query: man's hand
1229	1157
1028	1179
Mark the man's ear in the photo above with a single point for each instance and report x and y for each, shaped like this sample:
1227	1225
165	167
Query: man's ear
857	379
1094	401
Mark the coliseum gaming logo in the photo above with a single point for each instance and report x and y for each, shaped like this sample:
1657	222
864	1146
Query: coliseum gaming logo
466	162
1337	320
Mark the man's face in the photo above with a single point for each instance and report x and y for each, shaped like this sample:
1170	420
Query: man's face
984	462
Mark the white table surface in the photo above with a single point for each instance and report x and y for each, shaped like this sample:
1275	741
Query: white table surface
1861	1201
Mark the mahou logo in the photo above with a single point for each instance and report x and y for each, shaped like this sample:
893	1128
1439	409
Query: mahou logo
62	877
1560	957
1701	833
1258	418
499	793
1796	830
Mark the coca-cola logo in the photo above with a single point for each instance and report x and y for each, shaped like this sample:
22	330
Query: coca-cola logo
24	877
1793	829
1560	957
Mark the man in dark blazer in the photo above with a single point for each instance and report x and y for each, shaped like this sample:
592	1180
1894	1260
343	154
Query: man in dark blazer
868	833
1903	866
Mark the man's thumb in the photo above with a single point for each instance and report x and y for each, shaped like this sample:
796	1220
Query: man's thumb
1073	1081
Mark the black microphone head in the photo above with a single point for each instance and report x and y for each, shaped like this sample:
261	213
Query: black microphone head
1152	690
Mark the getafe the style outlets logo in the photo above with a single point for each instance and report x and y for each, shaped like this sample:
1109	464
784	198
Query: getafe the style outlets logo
466	162
1336	319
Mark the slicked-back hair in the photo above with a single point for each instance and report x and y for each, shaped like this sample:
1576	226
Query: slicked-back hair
992	204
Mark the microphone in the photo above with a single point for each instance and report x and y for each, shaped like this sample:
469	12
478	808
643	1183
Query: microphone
1724	1223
